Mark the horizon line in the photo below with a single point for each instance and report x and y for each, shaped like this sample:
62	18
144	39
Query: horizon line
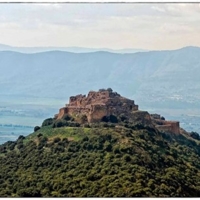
93	48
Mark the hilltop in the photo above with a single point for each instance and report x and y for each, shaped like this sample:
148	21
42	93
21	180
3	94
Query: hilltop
102	145
108	106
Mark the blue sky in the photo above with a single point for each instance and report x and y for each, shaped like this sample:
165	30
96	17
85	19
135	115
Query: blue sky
117	26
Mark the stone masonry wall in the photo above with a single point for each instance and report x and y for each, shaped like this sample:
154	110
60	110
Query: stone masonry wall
96	105
167	126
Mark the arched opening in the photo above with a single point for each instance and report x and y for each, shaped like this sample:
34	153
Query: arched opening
111	118
105	119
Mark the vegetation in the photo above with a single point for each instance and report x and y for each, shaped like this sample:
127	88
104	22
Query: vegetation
101	161
195	135
36	128
48	122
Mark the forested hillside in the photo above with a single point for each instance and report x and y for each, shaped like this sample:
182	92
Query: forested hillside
104	160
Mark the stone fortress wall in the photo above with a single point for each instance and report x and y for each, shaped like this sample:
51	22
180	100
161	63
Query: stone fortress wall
97	105
166	126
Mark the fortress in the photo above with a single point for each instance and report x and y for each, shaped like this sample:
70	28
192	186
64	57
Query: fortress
165	126
97	105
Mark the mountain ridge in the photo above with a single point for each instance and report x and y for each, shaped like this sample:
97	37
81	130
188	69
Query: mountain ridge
139	66
69	49
4	47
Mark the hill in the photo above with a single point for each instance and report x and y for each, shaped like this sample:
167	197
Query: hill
107	156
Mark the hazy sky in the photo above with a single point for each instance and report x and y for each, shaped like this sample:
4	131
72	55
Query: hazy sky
146	26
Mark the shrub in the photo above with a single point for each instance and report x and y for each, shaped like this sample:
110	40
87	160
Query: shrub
127	158
47	122
65	140
195	135
105	125
116	150
123	118
109	90
39	135
107	146
85	138
20	138
60	123
67	117
12	146
20	145
83	119
29	192
86	125
36	128
111	125
56	140
162	118
73	124
43	140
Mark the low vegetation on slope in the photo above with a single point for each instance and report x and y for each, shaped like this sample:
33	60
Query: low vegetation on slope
113	161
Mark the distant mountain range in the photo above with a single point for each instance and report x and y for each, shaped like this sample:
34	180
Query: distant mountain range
68	49
166	79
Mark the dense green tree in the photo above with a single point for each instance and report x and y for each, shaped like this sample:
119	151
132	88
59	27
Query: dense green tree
47	122
36	128
100	162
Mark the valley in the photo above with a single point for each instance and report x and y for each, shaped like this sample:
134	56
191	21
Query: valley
21	115
10	132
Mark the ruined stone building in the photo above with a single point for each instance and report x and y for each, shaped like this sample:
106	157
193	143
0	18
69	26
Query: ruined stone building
97	105
165	126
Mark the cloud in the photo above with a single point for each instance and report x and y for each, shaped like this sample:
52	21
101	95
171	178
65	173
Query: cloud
114	25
